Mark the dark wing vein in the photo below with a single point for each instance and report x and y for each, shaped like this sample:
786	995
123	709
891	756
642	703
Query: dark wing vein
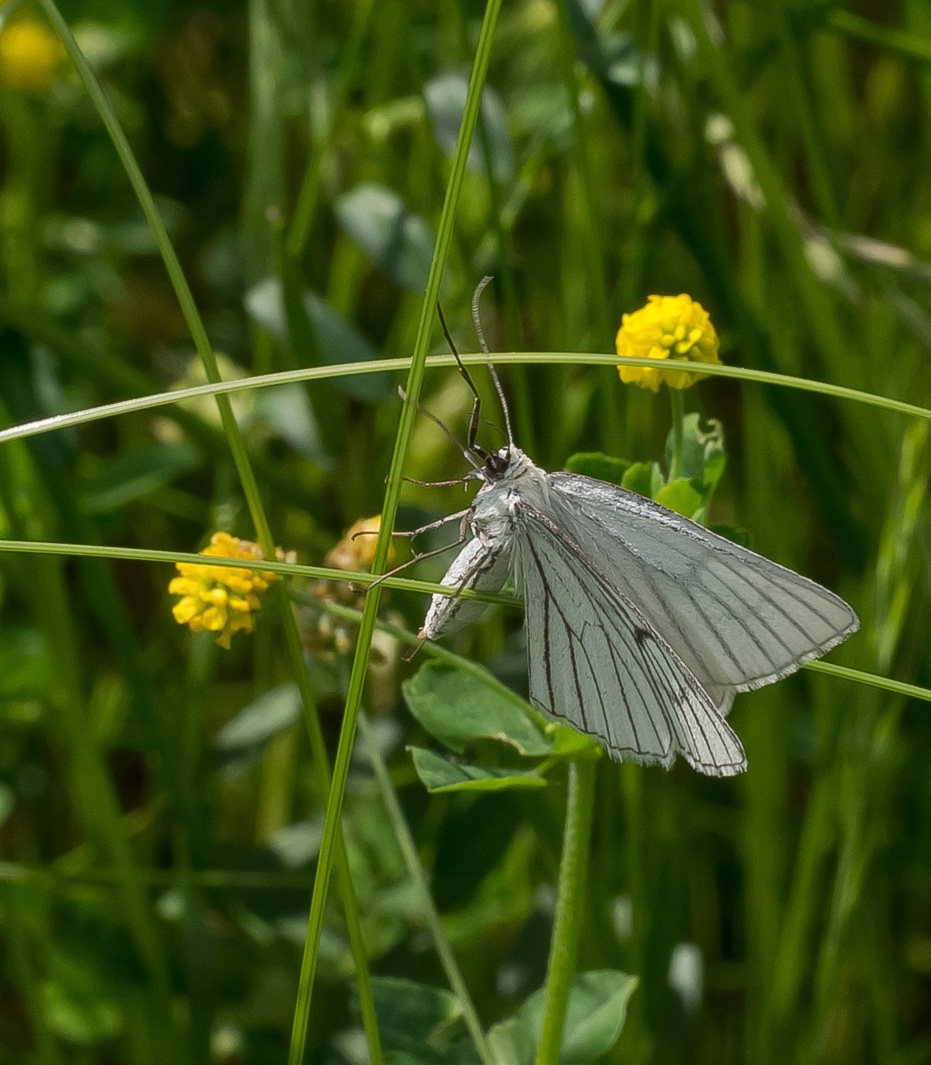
602	665
737	619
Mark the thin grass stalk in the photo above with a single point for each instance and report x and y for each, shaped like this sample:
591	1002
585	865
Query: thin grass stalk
22	964
383	542
506	276
677	402
417	875
789	968
570	907
895	42
590	215
173	267
819	310
243	466
44	547
309	192
535	358
343	872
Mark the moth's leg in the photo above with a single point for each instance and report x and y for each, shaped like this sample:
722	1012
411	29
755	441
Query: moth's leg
421	555
423	528
464	481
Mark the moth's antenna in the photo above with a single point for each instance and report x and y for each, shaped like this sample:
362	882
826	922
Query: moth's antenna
477	322
466	376
450	435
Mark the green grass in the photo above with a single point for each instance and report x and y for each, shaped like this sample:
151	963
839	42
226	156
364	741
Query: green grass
174	190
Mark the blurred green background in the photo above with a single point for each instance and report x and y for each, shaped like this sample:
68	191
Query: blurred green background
158	812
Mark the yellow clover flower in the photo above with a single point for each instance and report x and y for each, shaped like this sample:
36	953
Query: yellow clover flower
668	327
220	599
30	55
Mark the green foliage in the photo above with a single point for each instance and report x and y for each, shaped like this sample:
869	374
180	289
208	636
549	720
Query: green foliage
700	467
594	1019
394	238
443	774
459	707
337	340
266	180
418	1023
600	466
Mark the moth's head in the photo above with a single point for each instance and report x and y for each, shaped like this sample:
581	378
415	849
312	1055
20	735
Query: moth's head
502	463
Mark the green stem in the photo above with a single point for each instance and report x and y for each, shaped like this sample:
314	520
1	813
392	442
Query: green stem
322	139
247	479
343	872
678	416
48	547
569	909
416	873
205	352
505	358
22	959
392	495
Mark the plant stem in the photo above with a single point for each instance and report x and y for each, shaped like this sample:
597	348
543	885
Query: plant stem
389	510
678	416
343	872
416	872
237	446
570	904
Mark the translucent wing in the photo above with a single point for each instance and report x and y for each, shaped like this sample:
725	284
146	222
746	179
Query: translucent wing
736	619
596	661
477	566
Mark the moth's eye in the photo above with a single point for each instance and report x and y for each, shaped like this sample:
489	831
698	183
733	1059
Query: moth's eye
497	465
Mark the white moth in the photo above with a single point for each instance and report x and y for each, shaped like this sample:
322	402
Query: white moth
641	625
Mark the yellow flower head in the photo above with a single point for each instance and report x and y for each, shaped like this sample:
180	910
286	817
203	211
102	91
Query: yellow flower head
668	327
357	548
30	55
220	599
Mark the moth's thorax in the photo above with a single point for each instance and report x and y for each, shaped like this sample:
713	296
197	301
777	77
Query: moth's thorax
496	509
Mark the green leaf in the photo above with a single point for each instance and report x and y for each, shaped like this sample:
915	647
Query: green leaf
138	473
337	340
7	802
736	533
703	455
296	845
286	411
271	713
568	742
77	1004
680	495
443	774
594	1021
457	707
445	97
27	673
643	477
598	465
415	1020
395	239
